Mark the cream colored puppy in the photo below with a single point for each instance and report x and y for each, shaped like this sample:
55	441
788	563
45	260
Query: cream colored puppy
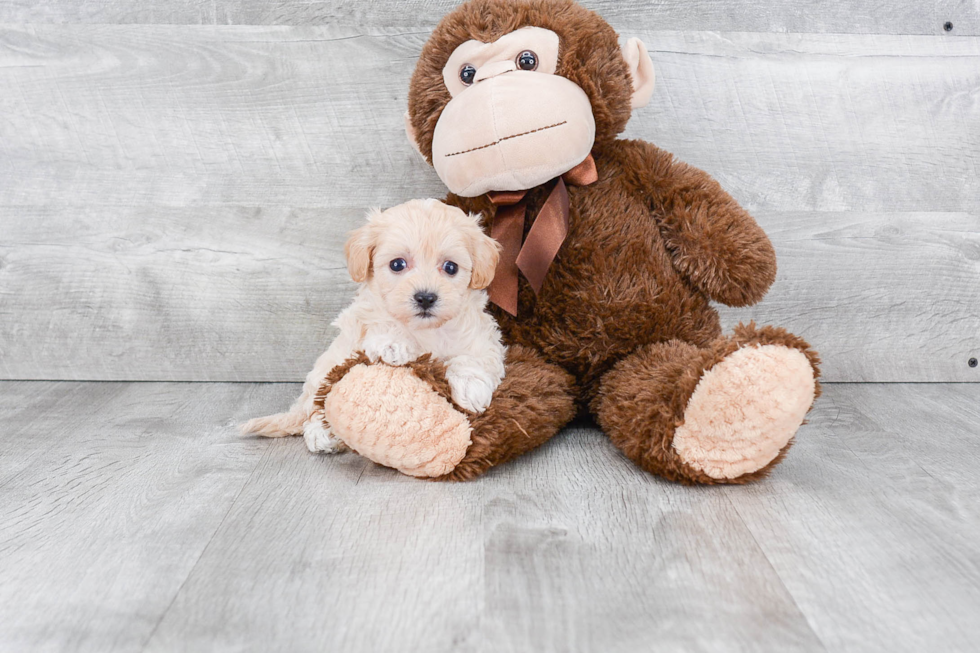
422	267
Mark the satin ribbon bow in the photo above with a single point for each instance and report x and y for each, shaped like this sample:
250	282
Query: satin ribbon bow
543	241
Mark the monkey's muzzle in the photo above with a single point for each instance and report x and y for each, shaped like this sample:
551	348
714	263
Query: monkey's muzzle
512	132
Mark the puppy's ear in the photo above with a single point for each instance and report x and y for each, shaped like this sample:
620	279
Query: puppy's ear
359	250
485	252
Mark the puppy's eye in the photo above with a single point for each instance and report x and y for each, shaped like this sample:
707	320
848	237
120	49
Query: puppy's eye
467	73
527	60
450	268
397	265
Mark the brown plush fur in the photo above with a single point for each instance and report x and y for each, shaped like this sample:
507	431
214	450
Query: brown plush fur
649	245
625	308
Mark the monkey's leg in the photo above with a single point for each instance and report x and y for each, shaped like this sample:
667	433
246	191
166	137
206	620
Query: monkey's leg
726	413
404	418
533	402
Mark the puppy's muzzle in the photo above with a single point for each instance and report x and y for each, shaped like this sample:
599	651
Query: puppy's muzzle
425	300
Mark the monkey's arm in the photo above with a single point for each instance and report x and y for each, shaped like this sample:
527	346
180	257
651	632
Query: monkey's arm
712	240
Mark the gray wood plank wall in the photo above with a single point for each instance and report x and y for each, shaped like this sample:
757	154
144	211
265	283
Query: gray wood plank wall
173	195
814	16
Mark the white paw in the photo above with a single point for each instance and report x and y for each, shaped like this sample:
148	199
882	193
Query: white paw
396	353
318	438
389	351
472	390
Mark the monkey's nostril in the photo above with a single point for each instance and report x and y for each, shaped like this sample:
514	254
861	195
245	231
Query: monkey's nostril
425	299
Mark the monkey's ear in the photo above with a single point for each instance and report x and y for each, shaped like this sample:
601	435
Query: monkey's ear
641	71
410	132
358	250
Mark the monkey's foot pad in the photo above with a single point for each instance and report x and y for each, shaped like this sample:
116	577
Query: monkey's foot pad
395	417
744	410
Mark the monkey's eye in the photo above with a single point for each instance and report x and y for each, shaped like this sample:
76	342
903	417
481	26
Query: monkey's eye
450	268
467	73
397	265
527	60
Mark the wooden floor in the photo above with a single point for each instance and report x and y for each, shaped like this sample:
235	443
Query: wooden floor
132	517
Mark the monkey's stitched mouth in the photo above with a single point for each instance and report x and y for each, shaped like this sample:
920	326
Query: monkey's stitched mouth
507	138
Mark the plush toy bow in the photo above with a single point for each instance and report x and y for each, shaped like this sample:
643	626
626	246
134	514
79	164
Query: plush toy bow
543	241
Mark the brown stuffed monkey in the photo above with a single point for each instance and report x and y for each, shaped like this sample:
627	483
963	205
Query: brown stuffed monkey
613	252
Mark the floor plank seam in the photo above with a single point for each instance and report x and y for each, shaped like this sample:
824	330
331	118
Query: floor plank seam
776	573
190	572
363	469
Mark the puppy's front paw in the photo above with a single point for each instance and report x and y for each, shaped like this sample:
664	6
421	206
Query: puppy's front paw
389	351
472	390
318	438
396	353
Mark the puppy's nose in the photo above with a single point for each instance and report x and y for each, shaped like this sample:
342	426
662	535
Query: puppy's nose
425	299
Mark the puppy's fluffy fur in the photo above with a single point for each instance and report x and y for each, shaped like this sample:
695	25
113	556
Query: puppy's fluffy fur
388	321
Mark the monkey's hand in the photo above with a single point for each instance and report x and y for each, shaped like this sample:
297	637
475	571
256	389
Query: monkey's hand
711	240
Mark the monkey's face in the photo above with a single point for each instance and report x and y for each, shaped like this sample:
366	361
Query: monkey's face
508	95
512	122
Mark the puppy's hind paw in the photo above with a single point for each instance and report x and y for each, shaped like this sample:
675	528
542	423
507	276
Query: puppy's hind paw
472	392
319	439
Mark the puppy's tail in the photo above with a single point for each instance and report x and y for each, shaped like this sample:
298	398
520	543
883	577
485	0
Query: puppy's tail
275	426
